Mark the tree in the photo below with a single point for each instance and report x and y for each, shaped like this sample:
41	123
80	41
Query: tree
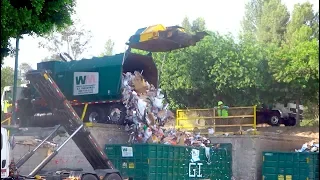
6	77
198	25
302	15
74	40
186	24
252	17
53	57
24	68
273	22
296	61
32	17
216	68
108	48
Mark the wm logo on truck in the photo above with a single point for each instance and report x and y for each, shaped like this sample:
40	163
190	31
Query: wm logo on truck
85	83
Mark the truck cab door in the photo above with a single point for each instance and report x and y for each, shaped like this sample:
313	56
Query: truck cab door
158	38
5	152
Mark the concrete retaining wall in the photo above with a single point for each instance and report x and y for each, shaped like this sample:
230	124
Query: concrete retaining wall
70	156
247	152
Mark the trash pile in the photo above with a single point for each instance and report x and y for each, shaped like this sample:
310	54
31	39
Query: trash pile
309	147
145	110
147	115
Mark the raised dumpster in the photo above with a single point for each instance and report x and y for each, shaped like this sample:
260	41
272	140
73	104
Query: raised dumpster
167	162
290	166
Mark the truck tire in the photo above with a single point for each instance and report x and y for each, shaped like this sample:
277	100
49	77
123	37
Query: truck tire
94	114
89	177
274	120
116	114
290	122
112	176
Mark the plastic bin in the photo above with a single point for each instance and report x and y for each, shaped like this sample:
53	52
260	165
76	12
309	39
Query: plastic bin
167	162
290	166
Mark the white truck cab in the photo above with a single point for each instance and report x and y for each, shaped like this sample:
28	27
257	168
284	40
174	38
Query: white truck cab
6	97
5	153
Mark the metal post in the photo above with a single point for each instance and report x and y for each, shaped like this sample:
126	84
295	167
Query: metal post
15	77
159	74
255	118
50	157
214	120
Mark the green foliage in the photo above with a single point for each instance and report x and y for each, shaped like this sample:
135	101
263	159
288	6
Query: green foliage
275	60
108	48
296	61
251	19
273	21
32	17
6	77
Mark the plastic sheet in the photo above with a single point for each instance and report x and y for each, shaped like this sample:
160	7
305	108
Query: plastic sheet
309	147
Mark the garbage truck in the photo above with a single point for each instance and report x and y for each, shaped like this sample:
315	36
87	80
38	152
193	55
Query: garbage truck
94	86
73	125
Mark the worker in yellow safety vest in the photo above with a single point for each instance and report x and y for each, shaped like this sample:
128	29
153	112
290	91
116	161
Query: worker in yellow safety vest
222	110
7	106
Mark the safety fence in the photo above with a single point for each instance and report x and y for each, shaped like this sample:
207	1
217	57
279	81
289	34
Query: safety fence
6	122
238	119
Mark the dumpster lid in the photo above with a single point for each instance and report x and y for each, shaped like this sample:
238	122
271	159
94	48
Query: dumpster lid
158	38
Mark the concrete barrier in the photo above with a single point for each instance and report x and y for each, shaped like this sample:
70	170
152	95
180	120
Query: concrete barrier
247	152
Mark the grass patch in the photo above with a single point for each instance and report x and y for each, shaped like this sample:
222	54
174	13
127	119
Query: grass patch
309	122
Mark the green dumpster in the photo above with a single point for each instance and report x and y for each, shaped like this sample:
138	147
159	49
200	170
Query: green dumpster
167	162
290	166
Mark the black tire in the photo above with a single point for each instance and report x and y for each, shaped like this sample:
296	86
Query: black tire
112	176
113	116
290	122
89	177
94	114
274	120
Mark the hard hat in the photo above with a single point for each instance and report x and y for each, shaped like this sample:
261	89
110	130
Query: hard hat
220	103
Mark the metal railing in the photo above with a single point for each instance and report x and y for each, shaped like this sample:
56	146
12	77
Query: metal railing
205	119
8	121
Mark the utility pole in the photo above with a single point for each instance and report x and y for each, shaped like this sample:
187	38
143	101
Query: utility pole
15	81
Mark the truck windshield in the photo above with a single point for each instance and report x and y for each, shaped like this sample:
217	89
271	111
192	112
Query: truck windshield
8	95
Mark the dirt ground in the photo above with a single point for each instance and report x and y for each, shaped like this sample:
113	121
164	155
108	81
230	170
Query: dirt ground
310	132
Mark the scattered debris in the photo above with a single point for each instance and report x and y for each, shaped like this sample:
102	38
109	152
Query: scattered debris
309	147
34	142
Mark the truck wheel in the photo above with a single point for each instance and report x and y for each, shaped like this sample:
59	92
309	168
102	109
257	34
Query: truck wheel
112	176
291	122
116	114
94	115
274	120
89	177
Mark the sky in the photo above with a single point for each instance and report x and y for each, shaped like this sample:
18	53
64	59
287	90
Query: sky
119	19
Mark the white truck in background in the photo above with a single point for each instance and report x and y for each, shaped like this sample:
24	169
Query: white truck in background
279	114
5	153
7	97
